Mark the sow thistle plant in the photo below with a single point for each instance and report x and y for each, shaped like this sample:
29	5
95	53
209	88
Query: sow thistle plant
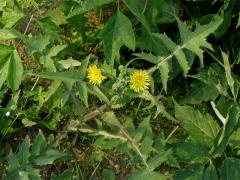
161	124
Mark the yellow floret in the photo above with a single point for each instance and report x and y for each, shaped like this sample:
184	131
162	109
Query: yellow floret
139	81
94	75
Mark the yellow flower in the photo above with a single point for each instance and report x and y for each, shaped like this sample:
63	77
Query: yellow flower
95	75
139	81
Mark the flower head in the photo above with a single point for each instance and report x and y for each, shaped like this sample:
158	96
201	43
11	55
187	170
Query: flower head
139	81
95	75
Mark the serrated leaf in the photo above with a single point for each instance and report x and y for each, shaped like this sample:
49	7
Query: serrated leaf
230	169
158	159
201	92
15	71
192	172
39	144
11	68
117	32
23	152
202	127
11	15
164	71
176	51
49	157
210	173
146	146
196	40
190	152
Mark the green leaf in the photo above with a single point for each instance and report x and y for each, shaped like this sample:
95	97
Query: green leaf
192	172
227	130
158	159
15	71
190	152
87	5
234	140
148	57
146	146
49	157
210	173
24	153
177	51
196	40
167	10
6	34
108	174
68	63
136	8
146	174
164	71
228	73
201	92
83	92
71	76
39	144
11	68
201	127
230	169
117	32
226	13
97	92
11	15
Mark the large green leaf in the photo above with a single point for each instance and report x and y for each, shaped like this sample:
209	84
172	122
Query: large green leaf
230	169
190	152
23	152
201	127
192	172
39	144
210	173
201	92
11	68
196	40
15	71
48	157
11	15
117	32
